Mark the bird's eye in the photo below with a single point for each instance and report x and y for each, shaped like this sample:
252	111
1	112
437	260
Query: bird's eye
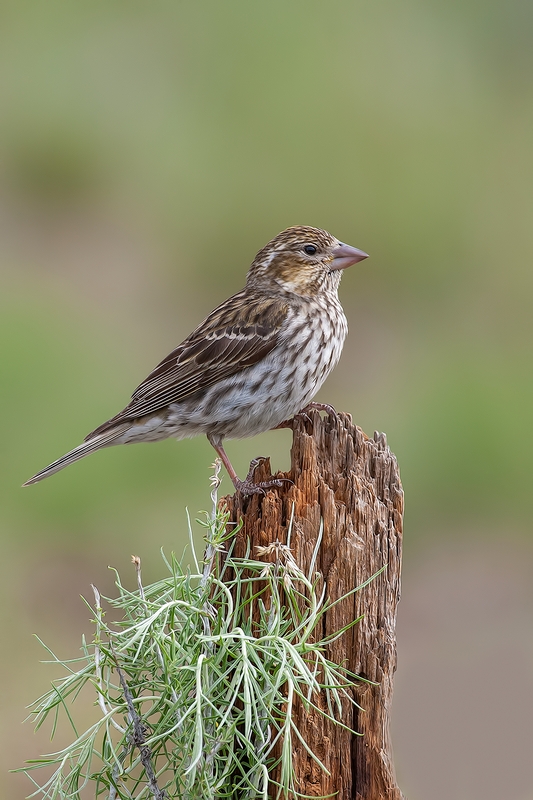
310	249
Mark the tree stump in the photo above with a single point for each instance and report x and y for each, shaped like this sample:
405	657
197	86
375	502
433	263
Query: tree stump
352	483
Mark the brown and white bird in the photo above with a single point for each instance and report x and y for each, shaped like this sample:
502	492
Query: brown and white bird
253	363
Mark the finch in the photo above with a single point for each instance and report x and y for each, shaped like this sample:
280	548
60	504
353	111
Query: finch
252	364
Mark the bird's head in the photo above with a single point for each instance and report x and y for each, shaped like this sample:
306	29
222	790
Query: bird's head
302	260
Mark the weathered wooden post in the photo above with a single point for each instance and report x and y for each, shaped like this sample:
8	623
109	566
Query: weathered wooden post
352	483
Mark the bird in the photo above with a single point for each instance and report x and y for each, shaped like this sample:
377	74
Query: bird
254	363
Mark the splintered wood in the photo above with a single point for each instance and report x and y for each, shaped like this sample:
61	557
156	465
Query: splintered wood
352	483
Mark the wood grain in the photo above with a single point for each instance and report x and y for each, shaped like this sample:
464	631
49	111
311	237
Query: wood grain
352	483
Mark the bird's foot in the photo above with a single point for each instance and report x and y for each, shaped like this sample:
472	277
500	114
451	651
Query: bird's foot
289	423
330	411
247	486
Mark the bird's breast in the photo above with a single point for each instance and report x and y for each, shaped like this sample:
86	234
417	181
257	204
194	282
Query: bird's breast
262	396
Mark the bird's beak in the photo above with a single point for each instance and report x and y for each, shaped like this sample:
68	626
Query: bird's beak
345	255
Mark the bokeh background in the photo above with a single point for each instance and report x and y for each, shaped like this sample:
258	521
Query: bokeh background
147	151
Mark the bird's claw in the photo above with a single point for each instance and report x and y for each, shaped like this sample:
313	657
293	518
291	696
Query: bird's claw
254	463
330	411
247	486
303	415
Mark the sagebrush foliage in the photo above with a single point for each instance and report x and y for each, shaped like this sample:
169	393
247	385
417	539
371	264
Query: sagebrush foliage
196	684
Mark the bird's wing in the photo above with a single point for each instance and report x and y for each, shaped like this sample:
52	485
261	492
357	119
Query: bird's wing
236	335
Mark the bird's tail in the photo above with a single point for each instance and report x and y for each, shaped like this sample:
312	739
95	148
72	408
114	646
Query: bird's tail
94	443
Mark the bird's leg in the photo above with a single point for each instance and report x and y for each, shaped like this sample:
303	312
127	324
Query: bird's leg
287	423
246	486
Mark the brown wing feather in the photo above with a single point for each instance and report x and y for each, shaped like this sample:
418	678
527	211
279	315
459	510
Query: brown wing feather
236	335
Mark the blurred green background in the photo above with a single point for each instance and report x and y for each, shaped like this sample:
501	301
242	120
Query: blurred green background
147	151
